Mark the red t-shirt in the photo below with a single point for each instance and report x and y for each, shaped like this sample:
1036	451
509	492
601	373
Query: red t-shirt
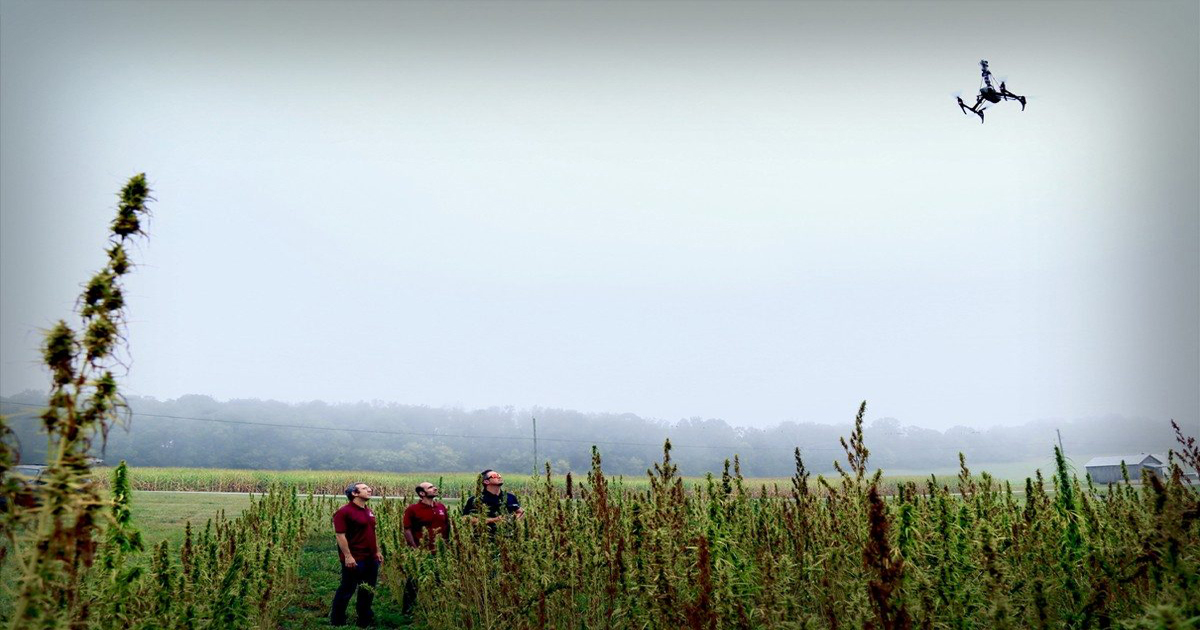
358	524
427	522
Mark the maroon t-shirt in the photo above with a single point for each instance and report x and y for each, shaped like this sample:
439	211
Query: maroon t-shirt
358	524
427	522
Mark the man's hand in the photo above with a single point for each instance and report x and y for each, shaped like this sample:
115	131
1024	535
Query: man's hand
520	513
351	563
379	557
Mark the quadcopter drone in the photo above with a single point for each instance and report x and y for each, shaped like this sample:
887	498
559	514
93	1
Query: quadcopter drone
989	94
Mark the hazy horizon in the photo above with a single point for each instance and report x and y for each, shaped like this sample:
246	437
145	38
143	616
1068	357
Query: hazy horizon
846	421
200	431
760	212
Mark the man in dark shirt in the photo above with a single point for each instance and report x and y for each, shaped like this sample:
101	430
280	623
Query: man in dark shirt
354	527
424	521
499	504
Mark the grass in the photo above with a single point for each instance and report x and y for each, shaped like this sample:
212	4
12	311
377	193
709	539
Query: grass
163	515
320	575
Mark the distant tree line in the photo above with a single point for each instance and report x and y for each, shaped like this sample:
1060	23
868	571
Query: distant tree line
414	438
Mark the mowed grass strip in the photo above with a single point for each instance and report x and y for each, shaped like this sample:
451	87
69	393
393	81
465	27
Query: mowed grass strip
163	515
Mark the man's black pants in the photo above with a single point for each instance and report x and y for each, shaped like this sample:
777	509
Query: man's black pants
366	573
410	595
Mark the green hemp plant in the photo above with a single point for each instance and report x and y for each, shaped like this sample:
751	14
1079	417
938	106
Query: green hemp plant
83	405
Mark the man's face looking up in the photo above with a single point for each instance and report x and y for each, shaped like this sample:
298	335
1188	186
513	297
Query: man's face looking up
494	479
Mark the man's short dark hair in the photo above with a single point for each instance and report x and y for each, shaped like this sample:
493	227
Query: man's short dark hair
352	489
420	491
483	475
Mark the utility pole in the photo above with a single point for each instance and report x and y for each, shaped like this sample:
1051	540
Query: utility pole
535	458
1060	446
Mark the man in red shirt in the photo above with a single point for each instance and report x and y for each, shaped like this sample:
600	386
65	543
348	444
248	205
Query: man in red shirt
424	521
354	527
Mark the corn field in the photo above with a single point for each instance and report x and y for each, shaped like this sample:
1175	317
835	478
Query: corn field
390	484
325	482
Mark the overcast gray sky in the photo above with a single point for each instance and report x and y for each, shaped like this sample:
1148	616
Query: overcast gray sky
753	211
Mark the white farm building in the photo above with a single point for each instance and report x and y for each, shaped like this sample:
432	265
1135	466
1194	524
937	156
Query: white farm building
1105	470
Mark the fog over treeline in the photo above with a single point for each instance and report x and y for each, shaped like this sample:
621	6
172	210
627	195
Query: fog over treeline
204	432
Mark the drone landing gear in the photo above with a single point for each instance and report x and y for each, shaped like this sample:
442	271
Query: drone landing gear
1009	95
975	109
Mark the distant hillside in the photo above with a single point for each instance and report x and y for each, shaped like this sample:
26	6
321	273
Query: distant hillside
202	432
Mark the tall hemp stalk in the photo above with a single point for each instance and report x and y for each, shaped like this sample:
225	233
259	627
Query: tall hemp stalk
83	405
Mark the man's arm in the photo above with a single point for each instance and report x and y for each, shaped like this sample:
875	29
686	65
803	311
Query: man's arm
344	545
406	523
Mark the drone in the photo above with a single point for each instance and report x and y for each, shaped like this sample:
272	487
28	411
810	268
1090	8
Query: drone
989	94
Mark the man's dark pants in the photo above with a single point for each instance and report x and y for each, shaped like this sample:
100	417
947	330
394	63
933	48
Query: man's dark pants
410	595
366	573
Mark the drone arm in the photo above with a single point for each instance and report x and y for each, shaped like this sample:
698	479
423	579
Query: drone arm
975	109
1007	95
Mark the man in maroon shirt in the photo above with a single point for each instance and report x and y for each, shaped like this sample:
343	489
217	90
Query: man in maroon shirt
426	519
424	522
354	527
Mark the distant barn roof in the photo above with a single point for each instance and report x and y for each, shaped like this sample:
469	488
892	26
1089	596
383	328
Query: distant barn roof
1130	460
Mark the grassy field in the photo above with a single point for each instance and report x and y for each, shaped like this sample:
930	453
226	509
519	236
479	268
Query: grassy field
162	515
